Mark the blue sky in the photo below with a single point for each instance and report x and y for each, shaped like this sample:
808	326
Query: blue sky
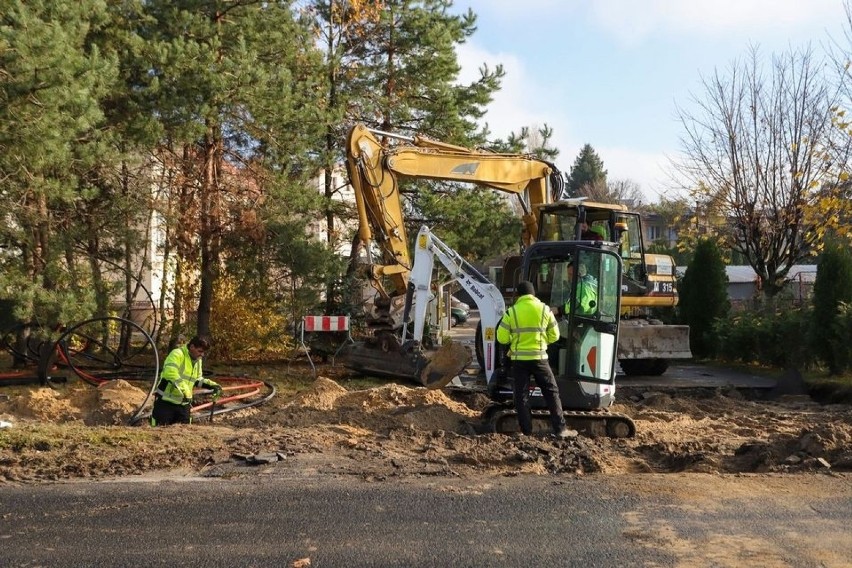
612	73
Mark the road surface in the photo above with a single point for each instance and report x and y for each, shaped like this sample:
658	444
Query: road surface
290	519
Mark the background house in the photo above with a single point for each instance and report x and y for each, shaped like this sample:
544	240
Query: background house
658	229
743	284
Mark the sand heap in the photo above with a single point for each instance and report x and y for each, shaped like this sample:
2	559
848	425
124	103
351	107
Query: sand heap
115	402
379	409
112	403
46	405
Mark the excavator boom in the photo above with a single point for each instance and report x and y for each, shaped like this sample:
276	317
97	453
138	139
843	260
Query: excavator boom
375	169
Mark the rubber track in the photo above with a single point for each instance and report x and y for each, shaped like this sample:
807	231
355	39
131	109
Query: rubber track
494	419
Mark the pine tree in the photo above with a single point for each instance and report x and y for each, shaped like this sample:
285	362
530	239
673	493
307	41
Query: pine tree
704	297
587	171
476	222
235	91
404	79
409	84
53	140
530	140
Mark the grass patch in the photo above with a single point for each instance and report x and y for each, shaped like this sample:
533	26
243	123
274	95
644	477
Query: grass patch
27	438
829	388
44	437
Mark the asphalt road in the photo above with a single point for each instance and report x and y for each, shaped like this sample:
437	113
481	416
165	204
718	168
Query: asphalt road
691	375
282	520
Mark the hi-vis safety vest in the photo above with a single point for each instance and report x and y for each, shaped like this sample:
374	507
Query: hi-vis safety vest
180	375
587	298
528	327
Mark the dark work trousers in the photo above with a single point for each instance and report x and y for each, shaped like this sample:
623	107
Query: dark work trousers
166	413
543	375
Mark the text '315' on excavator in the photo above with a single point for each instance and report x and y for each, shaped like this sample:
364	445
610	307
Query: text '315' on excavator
648	281
583	359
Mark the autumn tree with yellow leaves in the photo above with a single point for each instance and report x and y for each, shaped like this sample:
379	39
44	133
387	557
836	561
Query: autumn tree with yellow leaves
765	155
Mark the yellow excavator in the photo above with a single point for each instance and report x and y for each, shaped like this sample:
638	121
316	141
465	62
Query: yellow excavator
375	169
645	344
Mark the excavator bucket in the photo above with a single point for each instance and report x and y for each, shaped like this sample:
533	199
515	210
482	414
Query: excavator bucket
444	365
654	341
386	358
383	358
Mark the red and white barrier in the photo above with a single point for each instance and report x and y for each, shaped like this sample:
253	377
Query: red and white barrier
320	324
325	323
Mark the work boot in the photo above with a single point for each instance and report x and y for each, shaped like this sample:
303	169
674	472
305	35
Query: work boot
565	433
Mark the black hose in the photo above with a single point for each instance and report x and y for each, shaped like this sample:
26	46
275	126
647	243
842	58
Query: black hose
61	346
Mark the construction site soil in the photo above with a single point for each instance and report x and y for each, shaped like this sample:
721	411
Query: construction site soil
338	425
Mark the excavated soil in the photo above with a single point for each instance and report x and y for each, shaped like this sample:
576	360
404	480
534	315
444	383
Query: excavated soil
330	425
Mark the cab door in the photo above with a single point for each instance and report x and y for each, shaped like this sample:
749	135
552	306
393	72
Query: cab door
590	319
582	285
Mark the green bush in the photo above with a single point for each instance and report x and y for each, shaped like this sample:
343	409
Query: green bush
767	337
830	338
784	343
841	329
738	336
704	298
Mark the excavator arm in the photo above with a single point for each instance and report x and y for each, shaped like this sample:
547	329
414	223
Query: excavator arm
375	170
489	301
404	356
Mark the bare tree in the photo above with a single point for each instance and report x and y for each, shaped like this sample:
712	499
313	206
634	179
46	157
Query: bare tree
624	191
841	194
761	152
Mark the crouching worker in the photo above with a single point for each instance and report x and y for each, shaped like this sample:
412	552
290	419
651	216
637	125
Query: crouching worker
181	373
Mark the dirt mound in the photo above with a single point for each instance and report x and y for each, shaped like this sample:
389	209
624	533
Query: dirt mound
115	403
112	403
321	396
377	409
47	405
395	430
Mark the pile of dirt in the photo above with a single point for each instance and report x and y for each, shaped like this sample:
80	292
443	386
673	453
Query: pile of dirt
115	402
321	396
395	430
377	409
112	403
43	404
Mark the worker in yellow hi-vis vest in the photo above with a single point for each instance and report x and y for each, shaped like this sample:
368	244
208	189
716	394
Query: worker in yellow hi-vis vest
182	372
528	327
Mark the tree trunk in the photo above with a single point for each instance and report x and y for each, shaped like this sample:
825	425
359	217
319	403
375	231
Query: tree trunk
209	240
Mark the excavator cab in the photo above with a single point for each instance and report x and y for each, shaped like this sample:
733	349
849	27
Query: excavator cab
585	299
579	220
581	283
